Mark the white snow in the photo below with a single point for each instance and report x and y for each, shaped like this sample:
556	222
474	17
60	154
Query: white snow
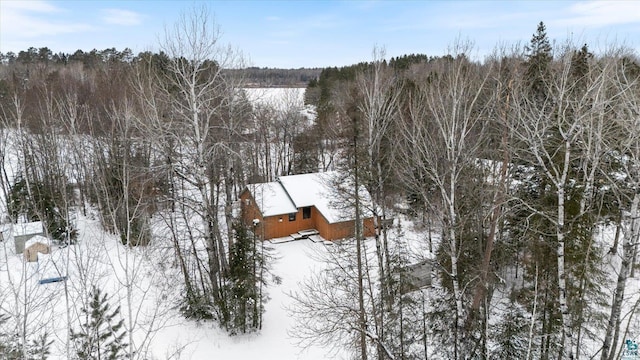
99	258
28	228
272	199
274	341
322	190
280	98
37	239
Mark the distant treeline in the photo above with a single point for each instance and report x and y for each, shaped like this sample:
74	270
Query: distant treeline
319	89
272	77
252	76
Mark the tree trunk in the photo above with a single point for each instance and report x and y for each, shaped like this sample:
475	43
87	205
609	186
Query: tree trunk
629	242
358	229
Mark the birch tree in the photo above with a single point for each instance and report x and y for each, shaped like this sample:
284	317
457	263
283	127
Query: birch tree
201	113
379	107
628	147
439	139
549	126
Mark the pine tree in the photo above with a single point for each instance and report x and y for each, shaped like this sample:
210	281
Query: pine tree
510	334
539	56
40	348
244	292
11	349
101	336
38	201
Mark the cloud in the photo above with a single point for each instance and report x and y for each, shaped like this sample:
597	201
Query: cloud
600	13
35	6
273	18
121	17
22	20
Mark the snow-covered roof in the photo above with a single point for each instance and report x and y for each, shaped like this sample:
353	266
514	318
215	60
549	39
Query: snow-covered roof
29	228
328	192
272	199
37	239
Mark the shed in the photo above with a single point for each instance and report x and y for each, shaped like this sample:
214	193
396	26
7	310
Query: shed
25	231
37	244
416	276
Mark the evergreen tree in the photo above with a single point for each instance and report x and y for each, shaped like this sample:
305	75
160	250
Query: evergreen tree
40	348
39	202
539	56
510	334
11	349
244	294
101	336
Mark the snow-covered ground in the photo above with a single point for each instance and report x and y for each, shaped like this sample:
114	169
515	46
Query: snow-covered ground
274	341
99	258
281	99
149	276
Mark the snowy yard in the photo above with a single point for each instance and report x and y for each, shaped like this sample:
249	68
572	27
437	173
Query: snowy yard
99	258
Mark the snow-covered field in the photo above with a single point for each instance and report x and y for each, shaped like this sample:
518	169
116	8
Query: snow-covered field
278	97
281	99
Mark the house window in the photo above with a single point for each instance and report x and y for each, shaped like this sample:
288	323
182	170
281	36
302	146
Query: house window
247	202
306	212
292	217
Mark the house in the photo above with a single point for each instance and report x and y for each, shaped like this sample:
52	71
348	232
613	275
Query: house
24	231
305	204
35	245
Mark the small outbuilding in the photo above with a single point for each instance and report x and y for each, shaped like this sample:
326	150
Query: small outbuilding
33	246
22	232
416	276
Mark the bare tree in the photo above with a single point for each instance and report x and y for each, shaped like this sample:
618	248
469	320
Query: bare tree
627	144
200	115
439	139
379	107
551	130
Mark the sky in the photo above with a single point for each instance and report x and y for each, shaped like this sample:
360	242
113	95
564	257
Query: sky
305	33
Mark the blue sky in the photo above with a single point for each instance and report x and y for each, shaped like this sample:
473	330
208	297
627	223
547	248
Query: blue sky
303	33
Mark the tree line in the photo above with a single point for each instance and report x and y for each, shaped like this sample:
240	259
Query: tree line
251	76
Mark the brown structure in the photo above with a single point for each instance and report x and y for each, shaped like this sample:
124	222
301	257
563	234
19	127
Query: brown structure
297	203
35	245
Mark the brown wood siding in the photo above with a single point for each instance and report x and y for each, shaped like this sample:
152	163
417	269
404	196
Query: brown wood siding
274	228
250	211
369	227
345	229
271	227
335	231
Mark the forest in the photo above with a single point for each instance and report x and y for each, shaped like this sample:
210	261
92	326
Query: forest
521	169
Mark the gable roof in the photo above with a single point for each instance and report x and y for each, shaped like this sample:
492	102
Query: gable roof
271	199
327	192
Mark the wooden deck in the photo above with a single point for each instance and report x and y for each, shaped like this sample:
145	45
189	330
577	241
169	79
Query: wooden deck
304	234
